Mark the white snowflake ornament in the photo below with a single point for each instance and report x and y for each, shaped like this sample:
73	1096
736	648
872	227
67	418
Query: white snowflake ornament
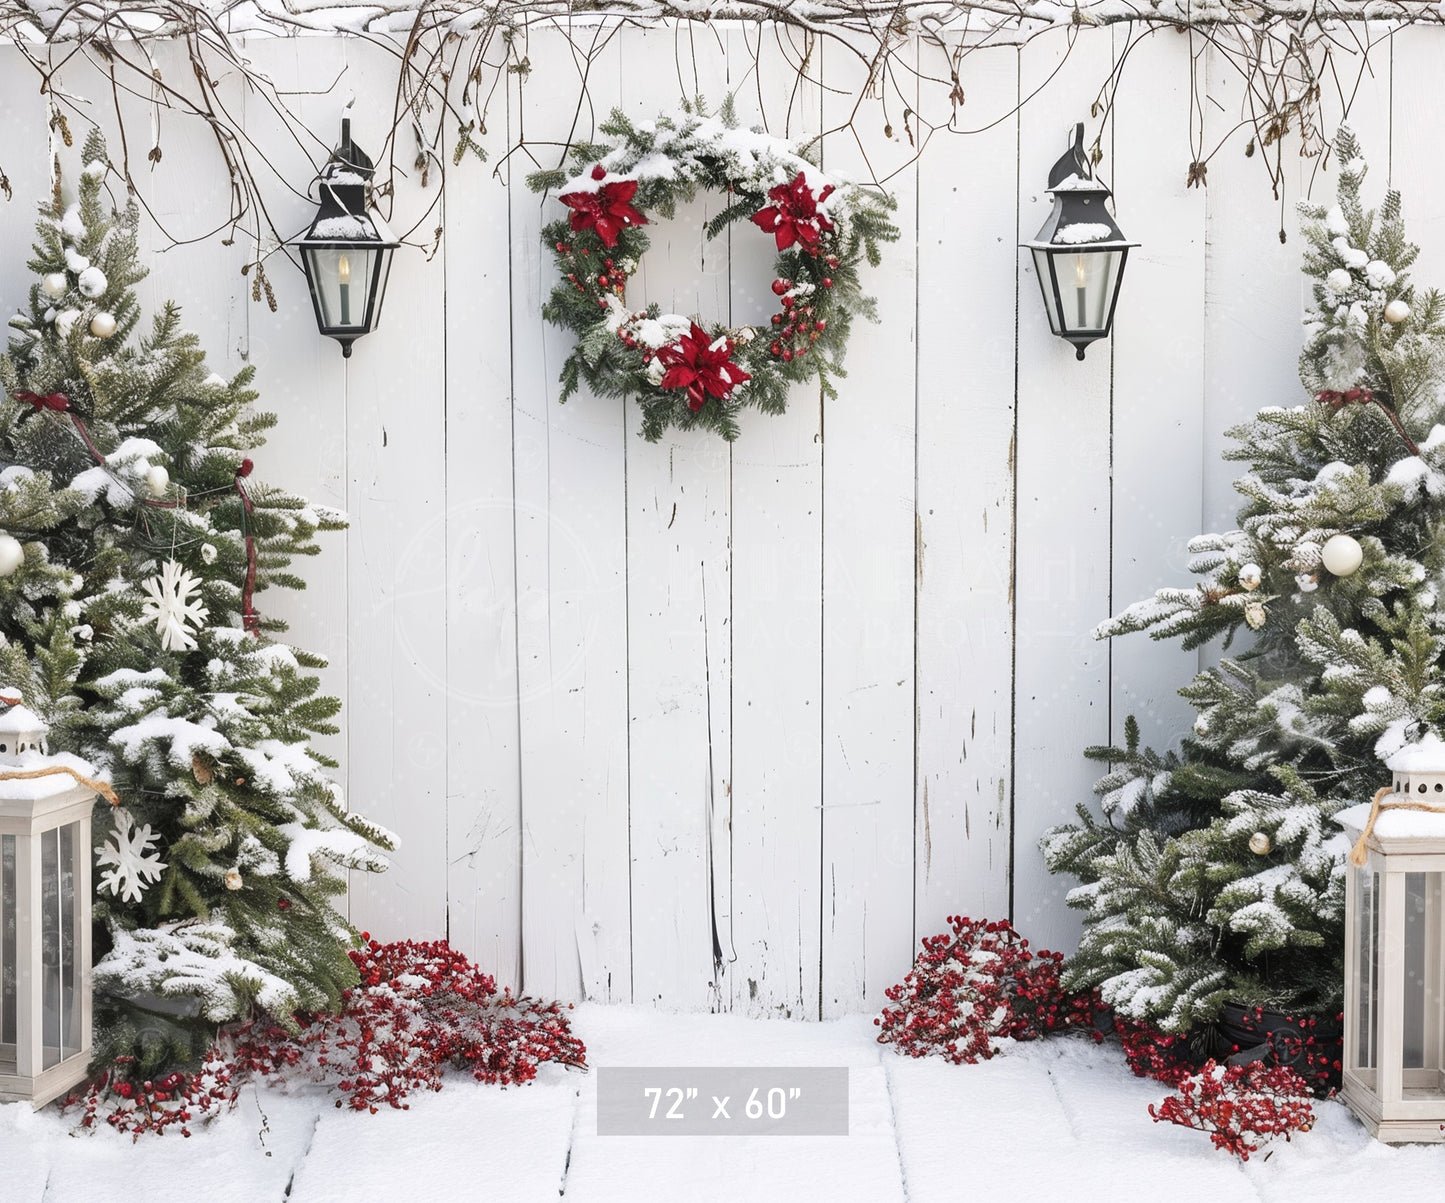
133	865
174	604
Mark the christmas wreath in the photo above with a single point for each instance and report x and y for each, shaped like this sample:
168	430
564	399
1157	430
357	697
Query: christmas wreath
692	372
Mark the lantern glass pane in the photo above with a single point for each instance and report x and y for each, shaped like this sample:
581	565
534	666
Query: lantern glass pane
341	278
1367	969
378	293
7	954
1424	1076
1043	262
69	942
50	947
1087	280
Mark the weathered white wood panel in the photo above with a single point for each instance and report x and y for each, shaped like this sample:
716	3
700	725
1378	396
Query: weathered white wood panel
396	570
571	531
868	590
1158	363
777	538
732	727
967	232
1061	557
484	798
679	506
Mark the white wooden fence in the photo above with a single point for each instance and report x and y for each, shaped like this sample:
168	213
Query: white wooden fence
733	727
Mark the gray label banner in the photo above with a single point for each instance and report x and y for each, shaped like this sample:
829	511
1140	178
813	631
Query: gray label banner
722	1100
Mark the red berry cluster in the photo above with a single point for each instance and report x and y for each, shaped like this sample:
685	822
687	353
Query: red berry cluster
420	1008
153	1106
1153	1054
1312	1048
1240	1106
612	279
798	327
978	983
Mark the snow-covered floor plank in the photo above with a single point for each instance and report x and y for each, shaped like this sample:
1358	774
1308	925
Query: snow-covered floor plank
1059	1118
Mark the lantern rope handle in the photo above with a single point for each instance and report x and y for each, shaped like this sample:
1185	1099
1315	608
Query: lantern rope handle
1358	854
100	787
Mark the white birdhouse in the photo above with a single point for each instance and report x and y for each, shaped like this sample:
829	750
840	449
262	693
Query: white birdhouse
45	909
1394	1053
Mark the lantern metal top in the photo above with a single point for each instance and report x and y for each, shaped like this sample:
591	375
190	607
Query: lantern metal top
344	216
1080	219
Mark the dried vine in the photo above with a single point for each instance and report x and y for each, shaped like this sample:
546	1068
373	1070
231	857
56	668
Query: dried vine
454	57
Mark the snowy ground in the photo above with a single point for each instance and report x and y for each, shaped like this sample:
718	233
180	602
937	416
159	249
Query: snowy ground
1062	1119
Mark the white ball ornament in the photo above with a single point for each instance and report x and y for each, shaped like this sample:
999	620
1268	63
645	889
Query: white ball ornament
1250	576
92	282
233	880
102	325
65	321
12	555
1396	312
56	284
1342	554
1260	843
158	480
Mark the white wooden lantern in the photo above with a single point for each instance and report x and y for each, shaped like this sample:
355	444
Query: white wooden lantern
45	909
1394	1048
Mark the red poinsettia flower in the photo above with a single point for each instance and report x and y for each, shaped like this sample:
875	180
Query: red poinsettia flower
701	365
607	210
793	216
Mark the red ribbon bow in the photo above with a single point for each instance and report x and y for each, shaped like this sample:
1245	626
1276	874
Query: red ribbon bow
793	216
1354	396
56	401
695	363
607	210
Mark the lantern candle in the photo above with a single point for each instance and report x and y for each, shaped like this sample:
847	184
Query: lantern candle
343	278
1081	290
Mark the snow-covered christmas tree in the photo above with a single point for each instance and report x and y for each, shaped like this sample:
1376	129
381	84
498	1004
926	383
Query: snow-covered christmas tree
134	541
1215	873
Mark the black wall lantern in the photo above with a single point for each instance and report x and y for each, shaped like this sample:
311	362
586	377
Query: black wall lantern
347	250
1079	252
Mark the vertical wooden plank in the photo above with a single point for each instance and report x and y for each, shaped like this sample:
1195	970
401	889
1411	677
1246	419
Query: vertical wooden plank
484	804
396	466
571	578
1253	291
777	537
967	326
868	566
22	161
299	374
1062	548
1416	55
1158	352
679	590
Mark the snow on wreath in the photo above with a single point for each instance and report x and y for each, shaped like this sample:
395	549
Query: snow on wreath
690	371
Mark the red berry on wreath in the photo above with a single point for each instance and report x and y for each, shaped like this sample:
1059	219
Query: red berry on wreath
603	282
599	172
781	286
283	904
827	281
787	302
776	348
821	322
787	355
831	261
777	319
